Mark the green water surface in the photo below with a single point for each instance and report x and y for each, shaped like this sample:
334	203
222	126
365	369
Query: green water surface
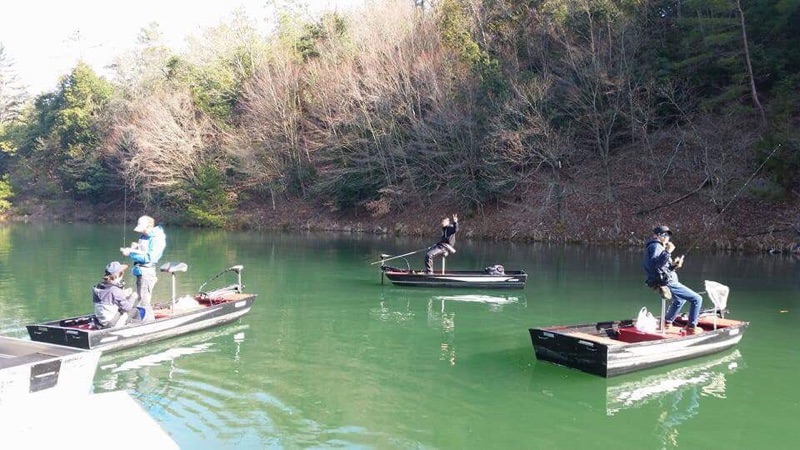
330	357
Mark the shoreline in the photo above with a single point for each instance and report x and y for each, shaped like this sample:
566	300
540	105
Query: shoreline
309	219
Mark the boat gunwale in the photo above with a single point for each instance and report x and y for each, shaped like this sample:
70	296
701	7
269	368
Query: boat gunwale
132	335
480	273
571	331
158	320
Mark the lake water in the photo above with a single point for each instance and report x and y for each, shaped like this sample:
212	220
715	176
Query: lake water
330	357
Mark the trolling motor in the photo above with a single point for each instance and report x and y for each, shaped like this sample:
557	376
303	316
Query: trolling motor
383	265
237	288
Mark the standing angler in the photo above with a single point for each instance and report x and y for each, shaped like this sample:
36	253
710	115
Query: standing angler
145	254
446	243
660	268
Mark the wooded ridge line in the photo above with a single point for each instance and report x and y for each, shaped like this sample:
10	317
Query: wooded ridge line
546	120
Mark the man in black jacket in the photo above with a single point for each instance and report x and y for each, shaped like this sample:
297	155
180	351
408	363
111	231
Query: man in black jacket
446	244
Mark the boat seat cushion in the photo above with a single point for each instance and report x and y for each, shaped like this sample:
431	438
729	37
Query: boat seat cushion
631	334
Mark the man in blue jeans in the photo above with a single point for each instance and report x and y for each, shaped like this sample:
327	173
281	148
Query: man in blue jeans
660	267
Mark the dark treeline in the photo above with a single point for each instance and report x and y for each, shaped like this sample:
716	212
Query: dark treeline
556	105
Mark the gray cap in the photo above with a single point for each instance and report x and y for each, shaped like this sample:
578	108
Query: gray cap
115	267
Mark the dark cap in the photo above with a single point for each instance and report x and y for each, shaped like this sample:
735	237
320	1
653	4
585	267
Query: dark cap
662	229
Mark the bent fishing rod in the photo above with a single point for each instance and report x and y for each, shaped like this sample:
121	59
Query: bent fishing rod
719	214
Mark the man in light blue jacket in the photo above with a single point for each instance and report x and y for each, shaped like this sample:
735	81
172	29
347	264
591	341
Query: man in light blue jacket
145	254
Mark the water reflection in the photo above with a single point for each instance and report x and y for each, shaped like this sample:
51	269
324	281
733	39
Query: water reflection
677	392
438	317
124	370
495	302
440	312
387	311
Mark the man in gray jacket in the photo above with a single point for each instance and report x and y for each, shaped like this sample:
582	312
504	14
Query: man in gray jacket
110	301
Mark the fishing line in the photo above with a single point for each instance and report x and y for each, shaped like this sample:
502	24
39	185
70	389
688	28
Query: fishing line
125	216
708	225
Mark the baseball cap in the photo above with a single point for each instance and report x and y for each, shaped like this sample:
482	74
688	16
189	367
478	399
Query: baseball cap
115	267
144	222
662	229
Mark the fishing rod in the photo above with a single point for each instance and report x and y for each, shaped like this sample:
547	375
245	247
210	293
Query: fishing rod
706	228
383	260
125	217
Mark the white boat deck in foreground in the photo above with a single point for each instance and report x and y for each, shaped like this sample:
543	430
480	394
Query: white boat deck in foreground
94	421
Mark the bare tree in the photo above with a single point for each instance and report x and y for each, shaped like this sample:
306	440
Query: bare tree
746	49
525	149
594	74
271	139
159	143
365	108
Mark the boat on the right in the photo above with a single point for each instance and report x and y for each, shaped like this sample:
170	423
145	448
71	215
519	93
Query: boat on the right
617	347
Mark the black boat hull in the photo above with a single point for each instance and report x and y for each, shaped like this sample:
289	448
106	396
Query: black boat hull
459	279
69	332
590	349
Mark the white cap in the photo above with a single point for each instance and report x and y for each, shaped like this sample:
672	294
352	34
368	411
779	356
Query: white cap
143	223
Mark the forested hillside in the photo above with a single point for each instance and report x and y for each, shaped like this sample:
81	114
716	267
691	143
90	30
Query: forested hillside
566	120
